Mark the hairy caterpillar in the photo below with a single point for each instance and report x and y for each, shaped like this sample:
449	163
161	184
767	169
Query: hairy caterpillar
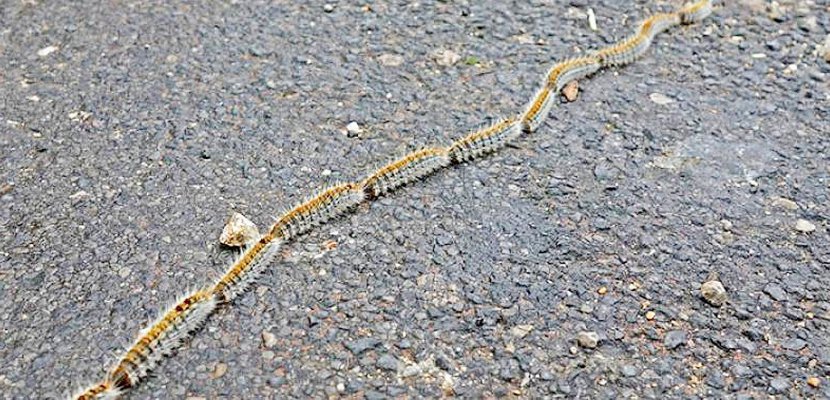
404	170
659	23
625	52
326	205
247	268
178	322
570	70
103	391
538	109
486	140
162	337
695	12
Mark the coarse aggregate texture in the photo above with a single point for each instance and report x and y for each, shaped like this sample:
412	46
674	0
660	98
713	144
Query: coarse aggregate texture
124	148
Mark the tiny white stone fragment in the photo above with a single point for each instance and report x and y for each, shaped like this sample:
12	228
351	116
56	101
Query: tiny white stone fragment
804	226
354	128
46	51
661	99
592	19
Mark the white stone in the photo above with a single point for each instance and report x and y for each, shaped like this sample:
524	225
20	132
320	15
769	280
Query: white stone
239	231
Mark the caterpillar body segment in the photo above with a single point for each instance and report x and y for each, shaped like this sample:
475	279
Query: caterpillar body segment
328	204
162	337
571	70
404	170
659	23
246	269
538	109
100	391
695	12
625	52
486	140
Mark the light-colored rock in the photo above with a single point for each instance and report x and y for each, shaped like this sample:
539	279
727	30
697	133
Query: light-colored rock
353	128
592	19
521	331
46	51
713	292
390	60
571	91
269	340
804	226
219	370
661	99
825	49
447	58
588	340
238	231
785	203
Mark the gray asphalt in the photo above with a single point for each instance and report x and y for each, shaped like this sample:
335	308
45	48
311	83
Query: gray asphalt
124	148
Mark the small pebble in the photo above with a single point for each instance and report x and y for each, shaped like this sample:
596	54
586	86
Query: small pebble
238	231
814	381
713	292
571	91
804	226
588	340
674	339
826	49
353	129
269	339
46	51
219	370
328	8
520	331
592	19
387	362
390	60
661	99
411	370
603	290
361	345
447	58
779	385
629	371
785	203
775	291
650	315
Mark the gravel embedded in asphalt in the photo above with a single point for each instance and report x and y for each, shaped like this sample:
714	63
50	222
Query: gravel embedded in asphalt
130	133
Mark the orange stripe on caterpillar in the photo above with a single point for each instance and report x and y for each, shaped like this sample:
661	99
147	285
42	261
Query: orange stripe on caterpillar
695	12
486	140
247	268
570	70
537	110
632	48
162	337
404	170
626	51
659	23
317	210
101	391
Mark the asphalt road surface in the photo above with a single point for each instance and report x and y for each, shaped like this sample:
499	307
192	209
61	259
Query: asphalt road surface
129	131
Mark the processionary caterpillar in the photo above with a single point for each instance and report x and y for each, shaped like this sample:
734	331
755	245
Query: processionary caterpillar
485	141
190	312
404	170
